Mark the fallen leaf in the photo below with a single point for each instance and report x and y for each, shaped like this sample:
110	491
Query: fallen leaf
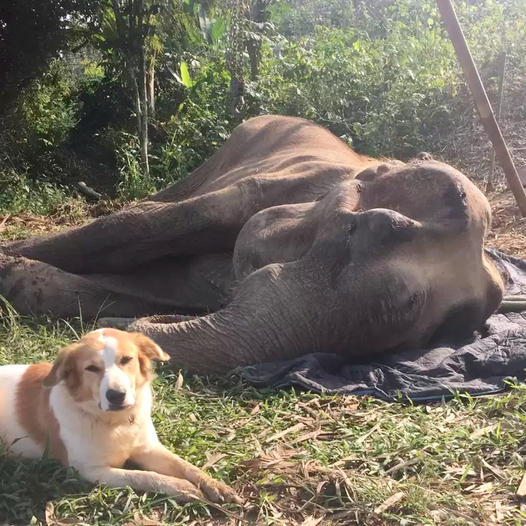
521	491
307	436
49	514
4	221
213	459
179	382
496	471
311	521
390	502
320	486
482	431
487	487
281	434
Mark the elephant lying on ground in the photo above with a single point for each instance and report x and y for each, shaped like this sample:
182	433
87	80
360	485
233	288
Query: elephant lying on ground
285	242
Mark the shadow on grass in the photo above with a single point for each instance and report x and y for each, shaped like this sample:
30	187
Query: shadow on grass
27	485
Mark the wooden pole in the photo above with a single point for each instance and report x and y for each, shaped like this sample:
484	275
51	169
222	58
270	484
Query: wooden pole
502	74
481	100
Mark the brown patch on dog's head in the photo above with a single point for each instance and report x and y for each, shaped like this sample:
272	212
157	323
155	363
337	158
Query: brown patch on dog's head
107	367
72	365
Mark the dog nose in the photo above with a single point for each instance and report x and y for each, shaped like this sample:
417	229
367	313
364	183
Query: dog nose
115	397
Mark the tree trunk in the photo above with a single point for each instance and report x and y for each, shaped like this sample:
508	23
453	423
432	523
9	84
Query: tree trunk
132	39
234	61
258	16
142	81
134	87
143	132
151	88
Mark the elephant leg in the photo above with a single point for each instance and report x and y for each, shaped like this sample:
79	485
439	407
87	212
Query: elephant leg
140	234
187	285
33	287
149	231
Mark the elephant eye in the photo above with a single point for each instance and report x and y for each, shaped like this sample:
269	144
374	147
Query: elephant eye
93	368
351	229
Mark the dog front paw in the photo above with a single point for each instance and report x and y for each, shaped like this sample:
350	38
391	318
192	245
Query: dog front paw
218	492
184	490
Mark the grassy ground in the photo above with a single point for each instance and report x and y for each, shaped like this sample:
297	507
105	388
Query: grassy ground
297	458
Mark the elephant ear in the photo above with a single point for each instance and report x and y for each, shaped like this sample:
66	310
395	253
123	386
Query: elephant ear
372	172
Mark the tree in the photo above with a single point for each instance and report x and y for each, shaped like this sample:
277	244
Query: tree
126	30
247	24
31	33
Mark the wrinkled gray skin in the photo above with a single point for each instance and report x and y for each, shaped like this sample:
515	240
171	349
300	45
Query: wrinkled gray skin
291	240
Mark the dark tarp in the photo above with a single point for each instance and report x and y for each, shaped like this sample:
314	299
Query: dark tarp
484	365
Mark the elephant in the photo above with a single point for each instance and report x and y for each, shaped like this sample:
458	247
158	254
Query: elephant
285	242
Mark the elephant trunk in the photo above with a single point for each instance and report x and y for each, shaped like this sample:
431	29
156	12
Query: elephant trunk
216	343
252	329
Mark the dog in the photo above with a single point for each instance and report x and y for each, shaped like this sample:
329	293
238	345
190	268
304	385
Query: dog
91	410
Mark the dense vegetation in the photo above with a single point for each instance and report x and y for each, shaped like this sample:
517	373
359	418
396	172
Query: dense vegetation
130	95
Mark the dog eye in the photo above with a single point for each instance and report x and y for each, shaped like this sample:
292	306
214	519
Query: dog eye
93	368
125	360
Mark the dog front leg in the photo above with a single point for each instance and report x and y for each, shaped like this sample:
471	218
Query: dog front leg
162	460
182	489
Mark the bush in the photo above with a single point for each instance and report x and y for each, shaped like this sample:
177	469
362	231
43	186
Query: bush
382	94
39	125
192	123
382	75
387	81
18	194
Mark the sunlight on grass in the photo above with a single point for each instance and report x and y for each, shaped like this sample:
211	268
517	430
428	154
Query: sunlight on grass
292	455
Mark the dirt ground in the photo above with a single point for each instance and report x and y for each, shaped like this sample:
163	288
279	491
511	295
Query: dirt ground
508	232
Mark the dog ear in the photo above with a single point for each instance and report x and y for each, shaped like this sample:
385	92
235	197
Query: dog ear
149	348
60	368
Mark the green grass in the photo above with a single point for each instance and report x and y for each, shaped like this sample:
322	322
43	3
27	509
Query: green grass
458	462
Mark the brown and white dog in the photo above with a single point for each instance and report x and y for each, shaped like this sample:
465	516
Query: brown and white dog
91	410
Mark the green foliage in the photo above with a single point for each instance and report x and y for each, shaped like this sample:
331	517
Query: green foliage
386	80
200	123
31	33
382	75
381	93
185	75
35	132
134	184
295	19
49	109
20	194
186	136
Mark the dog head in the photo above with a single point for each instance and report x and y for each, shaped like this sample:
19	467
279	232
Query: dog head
106	368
